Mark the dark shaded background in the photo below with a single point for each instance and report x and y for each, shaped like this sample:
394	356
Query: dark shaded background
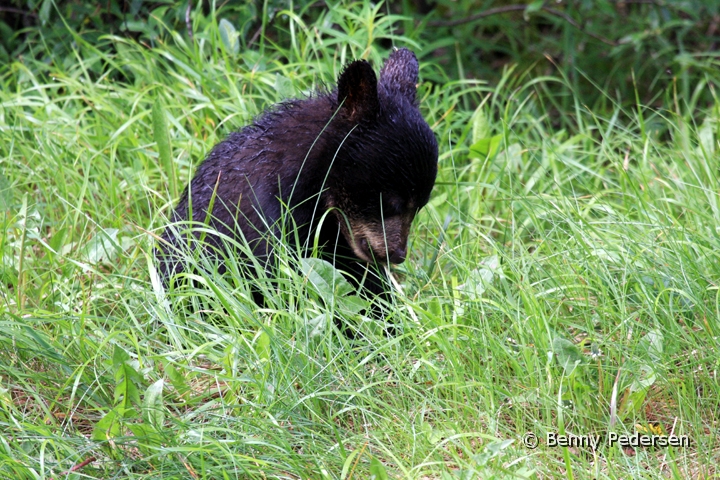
609	50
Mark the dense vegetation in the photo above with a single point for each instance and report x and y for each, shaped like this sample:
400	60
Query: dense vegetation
618	48
563	278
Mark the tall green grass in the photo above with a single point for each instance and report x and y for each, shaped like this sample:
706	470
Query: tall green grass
563	279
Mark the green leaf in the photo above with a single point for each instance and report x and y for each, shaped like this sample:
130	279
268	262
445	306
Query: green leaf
645	377
6	193
533	7
262	346
328	282
127	381
353	303
152	406
706	135
481	278
103	247
492	450
486	147
317	325
229	36
349	463
120	356
126	391
146	436
567	354
480	124
6	399
107	428
284	86
377	470
44	13
254	60
177	380
651	345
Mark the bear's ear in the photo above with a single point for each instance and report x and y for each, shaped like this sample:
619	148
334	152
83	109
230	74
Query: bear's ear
357	91
400	73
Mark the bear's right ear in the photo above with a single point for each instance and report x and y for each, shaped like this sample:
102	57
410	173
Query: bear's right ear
357	91
400	73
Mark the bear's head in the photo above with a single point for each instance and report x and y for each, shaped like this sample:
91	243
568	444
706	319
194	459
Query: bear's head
385	168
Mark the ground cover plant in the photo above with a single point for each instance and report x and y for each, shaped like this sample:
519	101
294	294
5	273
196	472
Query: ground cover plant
563	278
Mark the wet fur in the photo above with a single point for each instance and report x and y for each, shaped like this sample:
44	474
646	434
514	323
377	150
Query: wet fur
363	152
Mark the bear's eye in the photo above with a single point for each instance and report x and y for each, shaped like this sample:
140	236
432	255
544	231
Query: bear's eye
392	207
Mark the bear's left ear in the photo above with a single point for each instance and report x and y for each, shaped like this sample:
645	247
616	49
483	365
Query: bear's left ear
357	91
400	73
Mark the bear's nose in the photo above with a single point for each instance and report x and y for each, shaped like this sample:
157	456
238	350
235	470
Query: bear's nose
398	255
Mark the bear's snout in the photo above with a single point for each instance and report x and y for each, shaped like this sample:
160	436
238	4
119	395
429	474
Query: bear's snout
397	256
383	253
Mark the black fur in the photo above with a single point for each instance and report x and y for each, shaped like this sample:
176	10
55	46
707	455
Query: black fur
362	151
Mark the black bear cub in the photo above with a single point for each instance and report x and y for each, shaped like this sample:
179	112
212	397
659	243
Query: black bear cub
362	153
